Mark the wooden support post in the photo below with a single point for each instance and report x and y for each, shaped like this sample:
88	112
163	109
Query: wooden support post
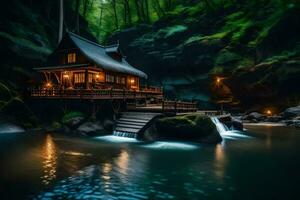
86	79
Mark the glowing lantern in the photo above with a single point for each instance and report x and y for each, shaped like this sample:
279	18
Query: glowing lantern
48	84
65	76
269	112
132	81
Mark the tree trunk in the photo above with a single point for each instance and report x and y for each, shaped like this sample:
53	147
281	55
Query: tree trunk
128	12
100	21
125	13
77	6
85	5
141	2
147	11
113	3
61	20
138	12
159	10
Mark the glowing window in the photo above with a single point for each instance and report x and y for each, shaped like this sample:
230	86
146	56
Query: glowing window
109	78
71	57
79	78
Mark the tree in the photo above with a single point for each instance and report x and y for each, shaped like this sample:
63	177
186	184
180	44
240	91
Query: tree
127	12
85	6
100	18
114	7
138	10
61	20
157	7
77	6
146	7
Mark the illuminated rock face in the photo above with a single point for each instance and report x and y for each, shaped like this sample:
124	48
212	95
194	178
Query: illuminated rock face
292	112
193	127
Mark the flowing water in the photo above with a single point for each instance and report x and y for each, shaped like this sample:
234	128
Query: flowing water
262	163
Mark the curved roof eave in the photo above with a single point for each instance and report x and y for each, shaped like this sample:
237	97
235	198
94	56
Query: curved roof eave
97	54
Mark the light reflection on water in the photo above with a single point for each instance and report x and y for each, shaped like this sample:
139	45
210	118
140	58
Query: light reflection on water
122	162
219	161
106	170
49	155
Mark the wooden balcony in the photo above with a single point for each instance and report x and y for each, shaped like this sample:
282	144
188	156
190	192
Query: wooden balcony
101	94
165	106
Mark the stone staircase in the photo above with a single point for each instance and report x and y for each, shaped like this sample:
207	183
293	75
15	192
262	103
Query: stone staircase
131	124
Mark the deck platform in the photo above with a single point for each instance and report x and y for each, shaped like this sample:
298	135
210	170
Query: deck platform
101	94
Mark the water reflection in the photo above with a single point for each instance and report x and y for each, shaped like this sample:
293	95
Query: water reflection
106	169
219	161
49	155
122	162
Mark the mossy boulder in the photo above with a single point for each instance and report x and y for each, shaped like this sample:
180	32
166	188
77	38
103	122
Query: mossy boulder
193	127
73	119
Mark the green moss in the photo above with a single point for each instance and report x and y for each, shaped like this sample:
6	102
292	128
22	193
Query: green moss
70	115
186	126
56	125
170	31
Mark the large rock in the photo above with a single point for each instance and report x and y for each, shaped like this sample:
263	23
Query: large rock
292	112
91	128
193	127
254	117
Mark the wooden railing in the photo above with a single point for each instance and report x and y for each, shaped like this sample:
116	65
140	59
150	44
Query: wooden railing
151	89
179	106
94	93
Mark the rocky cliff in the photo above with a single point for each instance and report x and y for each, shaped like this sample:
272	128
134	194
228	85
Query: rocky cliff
254	48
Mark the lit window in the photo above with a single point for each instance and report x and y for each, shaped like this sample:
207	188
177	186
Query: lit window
71	57
90	78
123	80
79	78
109	78
120	80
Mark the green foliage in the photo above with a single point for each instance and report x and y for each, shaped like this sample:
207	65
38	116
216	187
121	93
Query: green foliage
192	125
71	115
170	31
226	57
26	45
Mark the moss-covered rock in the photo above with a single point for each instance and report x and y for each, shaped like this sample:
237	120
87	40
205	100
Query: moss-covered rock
194	127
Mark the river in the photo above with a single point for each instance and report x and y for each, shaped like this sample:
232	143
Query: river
263	165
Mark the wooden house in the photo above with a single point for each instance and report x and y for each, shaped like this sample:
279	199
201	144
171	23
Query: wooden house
80	64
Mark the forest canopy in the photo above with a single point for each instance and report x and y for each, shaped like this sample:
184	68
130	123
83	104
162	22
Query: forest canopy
107	16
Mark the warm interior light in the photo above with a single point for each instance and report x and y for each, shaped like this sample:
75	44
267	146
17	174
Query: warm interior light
218	80
65	76
48	84
269	112
132	81
97	76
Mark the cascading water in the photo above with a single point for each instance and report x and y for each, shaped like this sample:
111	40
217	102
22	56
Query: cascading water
125	134
225	132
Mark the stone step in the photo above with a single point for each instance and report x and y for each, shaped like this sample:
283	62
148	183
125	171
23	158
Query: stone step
128	130
130	126
133	120
130	122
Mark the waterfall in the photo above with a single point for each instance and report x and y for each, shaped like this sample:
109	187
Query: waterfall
125	134
225	132
222	128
